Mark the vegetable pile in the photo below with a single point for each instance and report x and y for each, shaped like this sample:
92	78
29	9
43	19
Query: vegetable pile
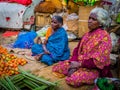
13	78
25	81
9	63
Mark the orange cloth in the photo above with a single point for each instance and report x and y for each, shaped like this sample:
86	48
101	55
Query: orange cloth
48	33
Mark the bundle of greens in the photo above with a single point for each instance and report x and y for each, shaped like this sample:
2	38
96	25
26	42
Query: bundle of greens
87	2
25	81
105	84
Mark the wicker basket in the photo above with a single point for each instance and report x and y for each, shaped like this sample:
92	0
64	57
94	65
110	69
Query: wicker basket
42	19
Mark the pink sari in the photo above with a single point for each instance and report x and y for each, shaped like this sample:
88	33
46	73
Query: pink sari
93	51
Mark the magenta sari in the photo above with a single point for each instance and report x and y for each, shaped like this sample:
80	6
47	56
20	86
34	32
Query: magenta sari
93	51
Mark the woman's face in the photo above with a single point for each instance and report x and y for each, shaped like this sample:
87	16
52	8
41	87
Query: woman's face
55	24
93	22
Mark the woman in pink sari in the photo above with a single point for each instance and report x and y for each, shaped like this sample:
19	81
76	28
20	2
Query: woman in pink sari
90	59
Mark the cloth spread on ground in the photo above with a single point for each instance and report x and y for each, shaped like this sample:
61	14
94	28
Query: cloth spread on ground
10	33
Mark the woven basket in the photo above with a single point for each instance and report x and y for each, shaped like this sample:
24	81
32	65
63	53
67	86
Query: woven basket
42	19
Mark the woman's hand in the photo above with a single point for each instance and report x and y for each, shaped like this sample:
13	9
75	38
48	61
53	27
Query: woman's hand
44	41
46	52
74	66
38	57
37	40
71	71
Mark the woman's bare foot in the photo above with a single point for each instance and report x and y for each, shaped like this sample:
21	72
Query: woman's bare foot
37	57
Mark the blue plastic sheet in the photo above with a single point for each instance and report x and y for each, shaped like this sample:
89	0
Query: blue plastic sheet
25	40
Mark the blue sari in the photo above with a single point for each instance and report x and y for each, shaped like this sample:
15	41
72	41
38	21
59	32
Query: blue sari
57	45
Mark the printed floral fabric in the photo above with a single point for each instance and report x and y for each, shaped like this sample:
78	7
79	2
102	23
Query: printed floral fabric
79	77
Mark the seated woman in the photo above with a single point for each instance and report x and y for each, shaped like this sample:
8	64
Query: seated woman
56	48
90	59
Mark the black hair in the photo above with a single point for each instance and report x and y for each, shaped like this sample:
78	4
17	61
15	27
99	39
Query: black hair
59	19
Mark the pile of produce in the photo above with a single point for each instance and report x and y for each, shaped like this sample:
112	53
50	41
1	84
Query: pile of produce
45	7
13	78
9	63
25	81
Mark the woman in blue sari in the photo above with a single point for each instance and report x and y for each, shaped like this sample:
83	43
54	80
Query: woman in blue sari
56	49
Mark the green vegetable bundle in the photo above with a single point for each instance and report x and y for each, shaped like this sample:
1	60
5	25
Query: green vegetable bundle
87	2
104	84
25	81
